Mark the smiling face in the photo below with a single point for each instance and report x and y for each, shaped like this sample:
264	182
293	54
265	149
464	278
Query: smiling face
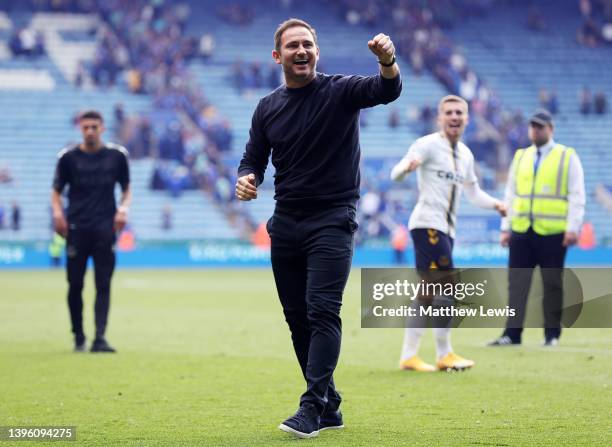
298	54
452	119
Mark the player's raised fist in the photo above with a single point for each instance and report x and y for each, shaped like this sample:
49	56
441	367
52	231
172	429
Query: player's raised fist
382	46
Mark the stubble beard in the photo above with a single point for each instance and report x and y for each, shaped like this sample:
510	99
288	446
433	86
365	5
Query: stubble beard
291	75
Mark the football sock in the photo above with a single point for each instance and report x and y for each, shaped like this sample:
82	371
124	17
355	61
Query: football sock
443	344
412	341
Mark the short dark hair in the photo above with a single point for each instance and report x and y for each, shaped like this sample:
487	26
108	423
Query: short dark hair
290	23
90	115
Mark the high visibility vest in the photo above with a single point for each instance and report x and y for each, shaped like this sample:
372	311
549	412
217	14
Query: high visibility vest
540	201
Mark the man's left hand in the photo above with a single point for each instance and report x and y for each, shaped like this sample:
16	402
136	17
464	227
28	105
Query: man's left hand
382	46
570	238
120	220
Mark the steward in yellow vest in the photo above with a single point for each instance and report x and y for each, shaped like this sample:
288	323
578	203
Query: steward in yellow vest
545	195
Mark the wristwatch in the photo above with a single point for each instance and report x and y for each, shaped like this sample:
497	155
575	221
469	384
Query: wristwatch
389	64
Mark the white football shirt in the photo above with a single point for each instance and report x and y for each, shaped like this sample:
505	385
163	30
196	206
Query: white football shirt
442	174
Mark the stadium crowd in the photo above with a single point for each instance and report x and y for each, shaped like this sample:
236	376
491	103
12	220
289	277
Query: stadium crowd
142	45
419	32
145	43
248	77
150	38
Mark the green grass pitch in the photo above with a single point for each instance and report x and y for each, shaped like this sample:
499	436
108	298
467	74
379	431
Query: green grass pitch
205	359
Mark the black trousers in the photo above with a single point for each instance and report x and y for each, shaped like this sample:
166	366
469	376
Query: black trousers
81	244
528	250
311	259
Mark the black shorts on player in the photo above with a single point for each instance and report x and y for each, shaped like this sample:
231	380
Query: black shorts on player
433	252
433	249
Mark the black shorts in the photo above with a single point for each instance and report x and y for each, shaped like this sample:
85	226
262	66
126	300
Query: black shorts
433	250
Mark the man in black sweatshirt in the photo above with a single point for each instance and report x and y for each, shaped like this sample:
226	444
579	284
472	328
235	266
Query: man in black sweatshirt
90	170
311	127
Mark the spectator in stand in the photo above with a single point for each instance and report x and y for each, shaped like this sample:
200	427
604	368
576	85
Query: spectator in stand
249	79
15	216
79	75
600	103
166	218
118	119
141	142
27	42
104	68
394	118
549	100
224	136
5	175
257	75
238	75
516	132
15	43
157	180
135	81
535	19
206	46
426	119
274	77
586	101
1	217
553	102
589	33
224	191
585	8
171	145
171	176
543	98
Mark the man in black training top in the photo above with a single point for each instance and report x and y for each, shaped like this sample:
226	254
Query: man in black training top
91	170
311	127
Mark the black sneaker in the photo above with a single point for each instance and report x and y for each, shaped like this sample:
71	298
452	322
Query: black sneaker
80	344
101	345
304	423
504	340
551	342
331	420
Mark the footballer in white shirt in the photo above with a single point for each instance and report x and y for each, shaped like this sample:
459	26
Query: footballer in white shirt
444	167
